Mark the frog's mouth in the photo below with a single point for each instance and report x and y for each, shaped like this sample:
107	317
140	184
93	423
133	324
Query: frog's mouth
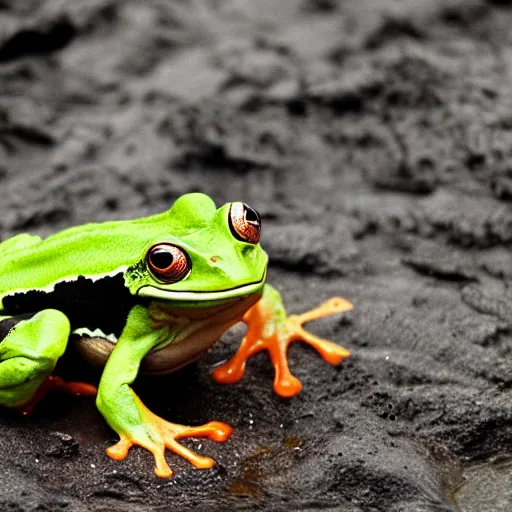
199	297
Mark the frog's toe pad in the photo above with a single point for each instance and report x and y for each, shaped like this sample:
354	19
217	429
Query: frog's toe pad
160	435
287	386
229	373
119	451
219	431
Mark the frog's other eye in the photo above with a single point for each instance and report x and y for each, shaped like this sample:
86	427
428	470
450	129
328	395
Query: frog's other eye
245	223
168	262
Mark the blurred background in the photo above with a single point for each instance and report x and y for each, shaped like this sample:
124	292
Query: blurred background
375	139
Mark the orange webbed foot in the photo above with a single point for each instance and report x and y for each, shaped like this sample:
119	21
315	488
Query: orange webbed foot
156	435
269	328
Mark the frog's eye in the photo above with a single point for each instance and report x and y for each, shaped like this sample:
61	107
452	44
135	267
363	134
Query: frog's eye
168	263
245	223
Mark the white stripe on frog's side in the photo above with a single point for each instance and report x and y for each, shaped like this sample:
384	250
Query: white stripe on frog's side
97	333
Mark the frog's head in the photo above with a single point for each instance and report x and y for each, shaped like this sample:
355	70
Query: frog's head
200	254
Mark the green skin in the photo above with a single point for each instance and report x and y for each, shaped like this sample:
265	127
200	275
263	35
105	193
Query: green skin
223	269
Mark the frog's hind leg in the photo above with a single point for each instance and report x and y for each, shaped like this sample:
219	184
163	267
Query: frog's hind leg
30	346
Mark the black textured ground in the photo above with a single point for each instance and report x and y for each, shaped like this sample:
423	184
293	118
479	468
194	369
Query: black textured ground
375	138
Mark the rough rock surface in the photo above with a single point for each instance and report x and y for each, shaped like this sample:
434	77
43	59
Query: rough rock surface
375	138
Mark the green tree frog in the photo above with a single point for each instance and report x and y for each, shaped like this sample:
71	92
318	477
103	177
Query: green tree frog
151	295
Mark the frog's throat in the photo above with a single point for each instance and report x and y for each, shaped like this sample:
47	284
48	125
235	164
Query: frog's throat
198	296
204	332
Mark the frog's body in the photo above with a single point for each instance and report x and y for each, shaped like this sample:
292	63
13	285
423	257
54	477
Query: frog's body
153	295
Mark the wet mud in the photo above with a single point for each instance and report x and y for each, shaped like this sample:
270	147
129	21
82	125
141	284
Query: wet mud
375	140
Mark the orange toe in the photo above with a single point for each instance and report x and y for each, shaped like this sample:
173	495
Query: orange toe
158	435
269	328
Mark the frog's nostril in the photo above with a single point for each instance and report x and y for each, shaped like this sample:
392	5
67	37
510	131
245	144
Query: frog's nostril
214	259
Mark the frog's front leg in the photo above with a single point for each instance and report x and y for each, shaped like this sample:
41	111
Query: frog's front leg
270	328
129	417
30	346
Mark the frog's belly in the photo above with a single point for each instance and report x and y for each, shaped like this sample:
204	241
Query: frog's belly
174	356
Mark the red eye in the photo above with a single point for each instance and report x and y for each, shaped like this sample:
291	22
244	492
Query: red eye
245	223
168	262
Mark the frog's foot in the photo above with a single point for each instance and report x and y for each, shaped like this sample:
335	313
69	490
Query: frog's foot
56	383
270	329
158	434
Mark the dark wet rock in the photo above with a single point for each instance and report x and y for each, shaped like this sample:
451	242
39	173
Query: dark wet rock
435	260
502	188
344	89
319	249
468	220
25	121
498	262
257	64
320	5
219	136
376	145
393	28
465	14
64	446
485	303
35	38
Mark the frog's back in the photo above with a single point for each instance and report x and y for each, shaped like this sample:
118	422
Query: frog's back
18	242
28	262
79	271
96	249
